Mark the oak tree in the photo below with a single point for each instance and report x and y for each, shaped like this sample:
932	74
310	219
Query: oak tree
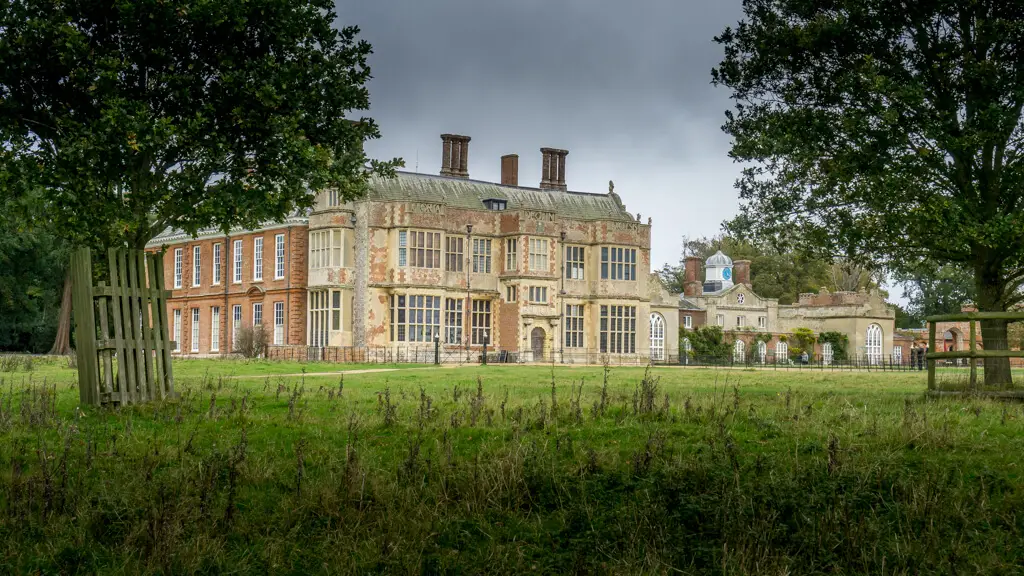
889	129
142	114
131	116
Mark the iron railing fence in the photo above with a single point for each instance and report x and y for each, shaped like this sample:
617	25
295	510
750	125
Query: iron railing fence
429	354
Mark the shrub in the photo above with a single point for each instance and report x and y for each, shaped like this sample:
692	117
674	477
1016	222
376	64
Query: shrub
802	341
839	341
709	342
252	341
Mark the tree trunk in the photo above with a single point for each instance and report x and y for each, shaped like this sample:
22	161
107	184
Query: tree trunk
62	342
993	332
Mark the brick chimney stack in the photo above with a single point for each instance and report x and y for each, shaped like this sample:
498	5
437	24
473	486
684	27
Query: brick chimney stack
455	155
553	168
741	272
692	286
510	170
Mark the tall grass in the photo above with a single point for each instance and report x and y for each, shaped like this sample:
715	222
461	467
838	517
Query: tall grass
447	472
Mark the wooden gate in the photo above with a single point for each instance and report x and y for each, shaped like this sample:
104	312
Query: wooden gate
124	355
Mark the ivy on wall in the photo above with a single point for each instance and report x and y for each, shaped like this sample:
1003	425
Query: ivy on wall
840	343
705	342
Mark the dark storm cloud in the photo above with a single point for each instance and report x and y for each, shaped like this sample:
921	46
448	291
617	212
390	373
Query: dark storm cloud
624	86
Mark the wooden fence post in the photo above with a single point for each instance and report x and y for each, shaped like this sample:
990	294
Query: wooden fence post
85	326
931	350
973	360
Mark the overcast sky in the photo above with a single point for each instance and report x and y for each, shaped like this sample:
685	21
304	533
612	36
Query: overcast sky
625	87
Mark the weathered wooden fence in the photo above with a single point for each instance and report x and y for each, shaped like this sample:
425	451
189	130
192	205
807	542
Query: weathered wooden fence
124	355
972	354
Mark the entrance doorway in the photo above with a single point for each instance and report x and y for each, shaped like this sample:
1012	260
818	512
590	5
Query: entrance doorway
537	337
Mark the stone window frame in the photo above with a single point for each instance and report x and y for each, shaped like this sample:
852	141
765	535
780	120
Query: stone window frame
481	255
512	293
415	317
326	248
453	308
480	326
454	253
618	329
573	332
257	314
319	307
511	254
618	263
538	295
575	262
419	248
539	255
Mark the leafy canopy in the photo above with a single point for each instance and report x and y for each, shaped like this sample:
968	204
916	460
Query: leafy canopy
890	130
137	115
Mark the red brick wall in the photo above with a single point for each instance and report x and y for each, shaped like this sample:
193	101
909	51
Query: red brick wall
699	318
290	290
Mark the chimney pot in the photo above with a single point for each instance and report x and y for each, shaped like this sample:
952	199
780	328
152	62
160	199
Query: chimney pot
510	170
553	168
455	155
691	277
741	272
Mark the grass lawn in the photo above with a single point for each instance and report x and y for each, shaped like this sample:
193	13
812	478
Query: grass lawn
268	467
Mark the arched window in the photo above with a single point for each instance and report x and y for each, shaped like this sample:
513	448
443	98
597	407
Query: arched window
762	351
657	337
782	353
687	350
739	352
873	344
826	353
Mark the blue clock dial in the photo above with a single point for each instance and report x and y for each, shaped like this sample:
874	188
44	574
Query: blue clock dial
727	273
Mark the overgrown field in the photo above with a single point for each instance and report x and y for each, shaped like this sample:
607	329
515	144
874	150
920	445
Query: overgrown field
259	468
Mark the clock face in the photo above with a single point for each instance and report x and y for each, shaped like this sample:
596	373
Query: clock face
727	273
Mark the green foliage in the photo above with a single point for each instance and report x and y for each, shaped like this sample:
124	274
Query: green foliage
134	116
802	341
33	259
707	342
933	289
906	319
840	345
889	131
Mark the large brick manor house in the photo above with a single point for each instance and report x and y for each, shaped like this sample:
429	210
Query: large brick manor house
542	273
